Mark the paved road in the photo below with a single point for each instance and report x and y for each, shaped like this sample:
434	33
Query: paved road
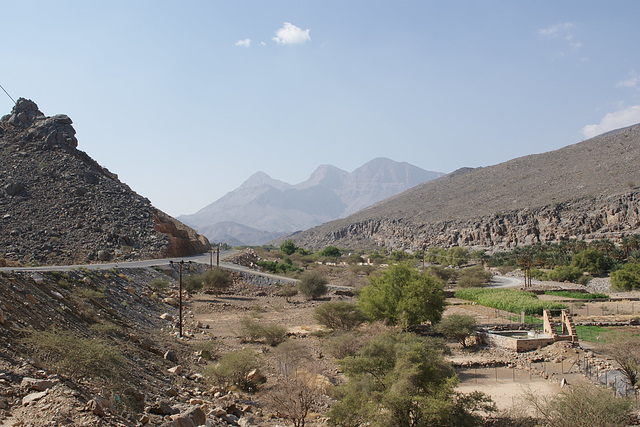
202	259
506	282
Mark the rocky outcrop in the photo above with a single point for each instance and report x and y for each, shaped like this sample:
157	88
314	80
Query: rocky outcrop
59	206
611	217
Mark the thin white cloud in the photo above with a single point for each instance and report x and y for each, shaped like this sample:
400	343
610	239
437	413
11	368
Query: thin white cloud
290	34
618	119
244	43
562	31
633	81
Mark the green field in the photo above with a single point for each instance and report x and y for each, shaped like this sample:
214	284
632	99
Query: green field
511	300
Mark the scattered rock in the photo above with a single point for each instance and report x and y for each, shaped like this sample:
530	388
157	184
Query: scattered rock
161	407
33	397
175	370
99	406
36	384
166	316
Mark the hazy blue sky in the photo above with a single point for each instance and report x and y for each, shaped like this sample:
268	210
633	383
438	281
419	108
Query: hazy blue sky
184	100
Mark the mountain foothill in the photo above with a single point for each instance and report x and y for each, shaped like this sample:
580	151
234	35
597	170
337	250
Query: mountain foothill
59	206
585	191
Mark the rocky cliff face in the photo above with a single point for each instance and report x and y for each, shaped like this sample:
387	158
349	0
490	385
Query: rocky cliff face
611	217
57	205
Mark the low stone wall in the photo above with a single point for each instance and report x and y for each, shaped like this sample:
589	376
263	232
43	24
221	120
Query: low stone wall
261	280
518	345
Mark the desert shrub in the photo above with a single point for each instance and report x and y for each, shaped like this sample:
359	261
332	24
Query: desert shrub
192	283
278	267
207	349
580	404
400	295
287	291
626	352
458	327
254	331
339	315
444	274
354	259
299	386
474	277
233	369
159	284
627	278
564	274
312	285
218	279
70	354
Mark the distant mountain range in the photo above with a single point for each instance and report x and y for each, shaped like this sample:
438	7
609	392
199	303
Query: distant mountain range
589	190
263	208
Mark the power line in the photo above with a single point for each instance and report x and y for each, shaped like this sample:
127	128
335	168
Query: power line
14	101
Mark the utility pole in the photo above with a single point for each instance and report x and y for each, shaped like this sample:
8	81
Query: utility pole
180	264
218	256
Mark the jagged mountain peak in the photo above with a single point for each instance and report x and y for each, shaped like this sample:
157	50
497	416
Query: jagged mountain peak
270	205
260	178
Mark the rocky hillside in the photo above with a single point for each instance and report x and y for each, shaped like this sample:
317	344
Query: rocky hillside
587	190
263	208
59	206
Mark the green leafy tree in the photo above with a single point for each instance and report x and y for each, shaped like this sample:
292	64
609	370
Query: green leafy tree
330	252
436	256
312	285
402	296
458	327
288	247
592	260
627	278
401	379
458	256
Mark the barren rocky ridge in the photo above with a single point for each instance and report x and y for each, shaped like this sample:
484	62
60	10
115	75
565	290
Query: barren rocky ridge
57	205
587	190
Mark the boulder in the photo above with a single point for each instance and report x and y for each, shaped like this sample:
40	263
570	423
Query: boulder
161	407
99	406
171	356
192	417
36	384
